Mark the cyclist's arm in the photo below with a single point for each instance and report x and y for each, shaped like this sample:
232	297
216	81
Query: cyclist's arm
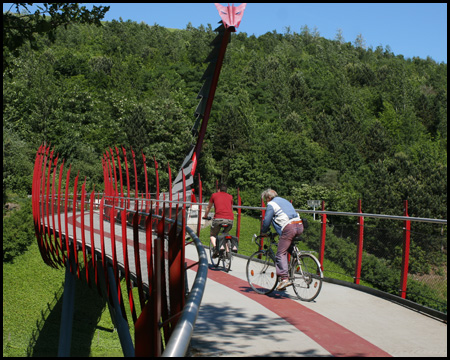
267	219
208	209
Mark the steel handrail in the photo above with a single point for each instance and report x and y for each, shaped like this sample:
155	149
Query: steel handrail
340	213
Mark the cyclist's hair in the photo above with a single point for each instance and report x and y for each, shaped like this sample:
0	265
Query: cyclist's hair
223	187
268	193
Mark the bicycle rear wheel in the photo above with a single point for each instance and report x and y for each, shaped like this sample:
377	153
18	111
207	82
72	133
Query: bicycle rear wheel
227	256
261	272
214	262
306	277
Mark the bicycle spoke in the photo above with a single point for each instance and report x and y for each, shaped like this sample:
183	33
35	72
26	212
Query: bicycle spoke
307	277
261	273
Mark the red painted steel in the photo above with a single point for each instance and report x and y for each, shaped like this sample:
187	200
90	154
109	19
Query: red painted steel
199	222
360	245
405	253
238	227
83	237
74	235
231	15
215	79
323	234
66	221
58	243
157	185
128	176
137	259
120	175
123	214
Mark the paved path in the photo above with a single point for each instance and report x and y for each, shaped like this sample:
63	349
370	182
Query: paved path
235	321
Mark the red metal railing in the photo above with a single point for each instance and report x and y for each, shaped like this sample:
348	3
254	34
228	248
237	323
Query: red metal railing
134	238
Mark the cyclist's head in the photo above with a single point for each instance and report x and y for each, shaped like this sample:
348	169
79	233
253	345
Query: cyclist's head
223	187
268	195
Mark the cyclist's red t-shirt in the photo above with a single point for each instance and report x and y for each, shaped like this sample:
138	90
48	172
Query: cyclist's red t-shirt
223	203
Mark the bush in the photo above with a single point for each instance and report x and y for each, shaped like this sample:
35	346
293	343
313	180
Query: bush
18	231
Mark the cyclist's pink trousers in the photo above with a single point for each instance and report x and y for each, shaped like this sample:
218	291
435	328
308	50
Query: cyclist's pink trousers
289	232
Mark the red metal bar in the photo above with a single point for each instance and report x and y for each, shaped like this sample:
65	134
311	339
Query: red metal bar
137	259
148	243
113	242
91	222
170	190
157	185
263	214
42	218
47	200
238	227
128	176
323	235
102	242
120	174
35	202
405	253
66	200
360	245
136	192
83	238
176	272
114	168
146	184
74	208
59	210
200	195
127	265
57	249
215	79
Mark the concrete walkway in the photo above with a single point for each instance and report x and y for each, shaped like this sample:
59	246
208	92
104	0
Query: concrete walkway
235	321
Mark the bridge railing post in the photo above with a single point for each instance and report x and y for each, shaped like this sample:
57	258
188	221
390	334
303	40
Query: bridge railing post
405	252
359	250
323	235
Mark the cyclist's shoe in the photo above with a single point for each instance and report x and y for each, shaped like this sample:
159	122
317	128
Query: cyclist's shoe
215	254
235	250
284	284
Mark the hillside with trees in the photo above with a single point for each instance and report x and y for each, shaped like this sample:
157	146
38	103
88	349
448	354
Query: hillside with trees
310	117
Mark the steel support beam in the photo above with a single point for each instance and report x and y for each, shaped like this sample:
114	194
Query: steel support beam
65	330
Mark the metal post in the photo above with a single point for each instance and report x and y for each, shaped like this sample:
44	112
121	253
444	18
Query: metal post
405	253
323	235
360	245
122	326
65	330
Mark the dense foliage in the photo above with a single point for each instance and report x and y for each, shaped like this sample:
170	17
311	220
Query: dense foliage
312	118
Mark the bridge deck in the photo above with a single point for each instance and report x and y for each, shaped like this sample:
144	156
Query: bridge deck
235	321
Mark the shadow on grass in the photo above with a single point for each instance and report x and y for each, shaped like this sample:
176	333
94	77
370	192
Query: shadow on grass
89	306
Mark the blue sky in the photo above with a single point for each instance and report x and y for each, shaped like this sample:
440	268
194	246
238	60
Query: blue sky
410	29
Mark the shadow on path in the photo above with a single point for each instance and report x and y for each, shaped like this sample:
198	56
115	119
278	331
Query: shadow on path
225	321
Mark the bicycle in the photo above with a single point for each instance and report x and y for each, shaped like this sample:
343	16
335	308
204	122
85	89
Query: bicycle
305	271
225	255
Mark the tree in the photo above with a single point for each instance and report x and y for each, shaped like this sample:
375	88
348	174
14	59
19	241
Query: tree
22	26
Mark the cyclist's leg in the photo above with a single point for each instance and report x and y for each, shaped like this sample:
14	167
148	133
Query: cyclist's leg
226	231
284	244
215	228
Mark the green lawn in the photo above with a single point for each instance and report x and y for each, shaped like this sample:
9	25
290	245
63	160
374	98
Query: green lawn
32	303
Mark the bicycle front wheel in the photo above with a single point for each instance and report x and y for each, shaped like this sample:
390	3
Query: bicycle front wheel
306	276
261	272
215	261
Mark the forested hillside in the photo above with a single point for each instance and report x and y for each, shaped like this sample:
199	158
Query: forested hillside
312	118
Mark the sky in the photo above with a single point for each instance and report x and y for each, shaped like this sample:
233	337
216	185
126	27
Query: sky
409	29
